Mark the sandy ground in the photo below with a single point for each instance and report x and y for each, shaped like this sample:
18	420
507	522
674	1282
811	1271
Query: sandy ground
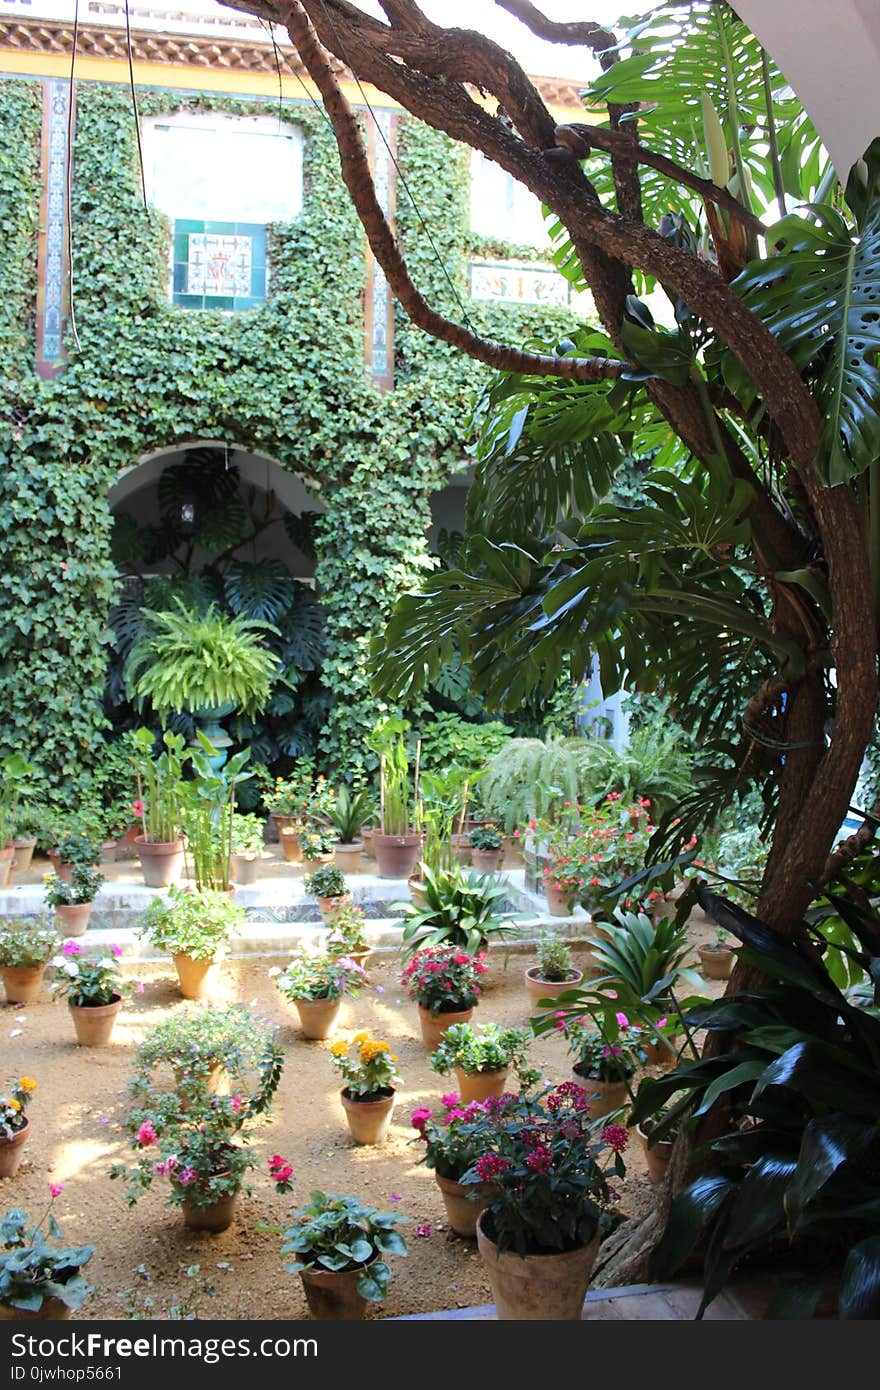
144	1251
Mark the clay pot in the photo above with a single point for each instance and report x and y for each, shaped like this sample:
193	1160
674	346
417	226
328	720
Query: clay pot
94	1022
161	861
73	918
656	1156
462	1212
557	901
218	1082
60	866
370	1119
198	979
348	857
461	847
537	1288
108	852
11	1151
716	962
605	1096
548	989
367	842
311	862
51	1310
318	1016
657	1052
217	1217
360	958
328	907
23	854
22	982
7	854
417	891
243	867
332	1294
514	857
396	855
480	1085
434	1025
288	838
487	861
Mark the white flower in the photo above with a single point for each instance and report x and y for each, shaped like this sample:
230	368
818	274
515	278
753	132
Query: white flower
274	970
107	962
58	961
71	968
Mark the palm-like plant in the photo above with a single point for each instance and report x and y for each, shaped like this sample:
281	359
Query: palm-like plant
461	908
349	812
191	661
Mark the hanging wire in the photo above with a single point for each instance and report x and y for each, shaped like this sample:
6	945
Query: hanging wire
69	177
134	105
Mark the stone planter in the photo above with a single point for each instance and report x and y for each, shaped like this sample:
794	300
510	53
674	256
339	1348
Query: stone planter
480	1085
396	855
605	1096
434	1025
318	1016
94	1022
161	862
716	962
11	1151
23	853
537	1288
244	867
348	857
73	918
198	979
22	982
548	989
369	1119
462	1211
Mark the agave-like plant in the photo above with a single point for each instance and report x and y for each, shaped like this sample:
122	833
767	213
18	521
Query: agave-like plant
461	908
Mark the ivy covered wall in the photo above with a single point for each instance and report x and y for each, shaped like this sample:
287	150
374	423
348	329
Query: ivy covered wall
286	379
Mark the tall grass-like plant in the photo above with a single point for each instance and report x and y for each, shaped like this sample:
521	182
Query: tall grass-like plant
194	661
207	812
159	782
388	741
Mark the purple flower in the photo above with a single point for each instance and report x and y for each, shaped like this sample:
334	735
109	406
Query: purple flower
186	1176
116	951
395	1197
423	1230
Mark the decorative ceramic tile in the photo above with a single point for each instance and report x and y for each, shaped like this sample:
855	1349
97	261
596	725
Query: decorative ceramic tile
218	265
517	282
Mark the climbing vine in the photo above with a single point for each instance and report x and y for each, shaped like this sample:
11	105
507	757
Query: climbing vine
285	379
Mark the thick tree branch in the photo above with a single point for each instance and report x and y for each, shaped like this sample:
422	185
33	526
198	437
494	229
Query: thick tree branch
555	31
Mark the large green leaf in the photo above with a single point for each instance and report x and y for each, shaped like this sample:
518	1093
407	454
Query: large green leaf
859	1295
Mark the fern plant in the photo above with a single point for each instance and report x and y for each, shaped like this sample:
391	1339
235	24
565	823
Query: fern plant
530	778
191	661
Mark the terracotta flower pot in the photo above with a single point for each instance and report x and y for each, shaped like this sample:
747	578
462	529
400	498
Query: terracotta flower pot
218	1082
198	979
396	855
73	918
368	850
514	858
605	1096
417	891
462	1211
332	1294
161	861
360	958
659	1052
23	854
480	1085
216	1217
94	1022
348	857
328	907
537	1288
22	982
716	962
548	989
51	1310
318	1016
557	901
7	854
487	861
461	847
370	1119
434	1025
60	866
656	1156
11	1151
244	867
288	838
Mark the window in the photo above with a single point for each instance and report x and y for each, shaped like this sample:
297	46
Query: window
221	179
503	208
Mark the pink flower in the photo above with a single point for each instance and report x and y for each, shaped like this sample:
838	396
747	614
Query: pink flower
455	1114
139	986
56	1188
622	1020
450	1101
421	1116
616	1137
236	1103
491	1166
146	1135
116	951
394	1197
567	1093
282	1175
71	948
540	1160
460	958
138	808
662	1022
423	1230
186	1176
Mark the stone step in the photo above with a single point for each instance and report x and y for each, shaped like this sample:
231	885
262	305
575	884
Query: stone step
677	1302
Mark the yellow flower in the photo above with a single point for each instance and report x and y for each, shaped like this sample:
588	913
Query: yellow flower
394	1057
339	1049
14	1104
360	1038
27	1083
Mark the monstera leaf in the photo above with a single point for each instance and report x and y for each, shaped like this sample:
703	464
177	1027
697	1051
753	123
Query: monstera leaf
262	589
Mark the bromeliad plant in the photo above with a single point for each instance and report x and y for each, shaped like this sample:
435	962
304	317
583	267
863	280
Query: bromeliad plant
27	941
82	887
192	924
370	1071
336	1233
318	975
88	982
33	1269
442	979
461	908
14	1104
490	1048
349	811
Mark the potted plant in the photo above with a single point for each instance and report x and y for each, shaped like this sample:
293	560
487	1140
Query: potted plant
513	847
546	1178
74	850
716	956
397	842
29	820
553	975
487	848
14	774
327	885
93	989
481	1060
199	1142
207	803
641	962
73	901
247	847
195	929
315	845
347	934
26	946
316	982
339	1247
286	800
657	1149
39	1280
14	1124
157	807
606	1052
444	982
461	908
454	1140
209	1049
371	1079
346	816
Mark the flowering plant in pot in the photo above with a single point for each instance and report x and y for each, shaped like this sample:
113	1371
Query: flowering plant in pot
208	1048
73	900
371	1079
554	973
453	1141
481	1060
26	947
14	1125
286	798
246	847
316	845
327	884
487	848
93	988
315	982
339	1245
606	1049
347	934
157	806
38	1279
546	1177
195	929
199	1142
444	983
